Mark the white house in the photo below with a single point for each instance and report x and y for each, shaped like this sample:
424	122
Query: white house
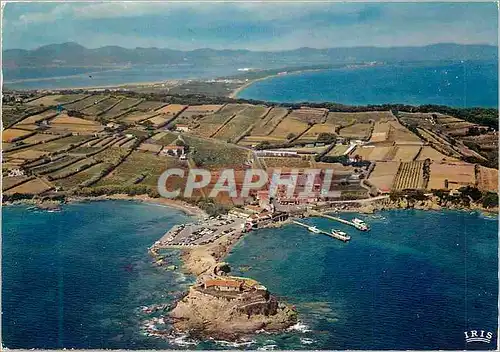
173	150
182	128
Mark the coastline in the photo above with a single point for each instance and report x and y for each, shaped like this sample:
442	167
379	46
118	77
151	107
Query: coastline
234	93
185	207
211	315
42	79
130	85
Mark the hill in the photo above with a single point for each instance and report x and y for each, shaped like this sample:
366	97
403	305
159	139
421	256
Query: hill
73	54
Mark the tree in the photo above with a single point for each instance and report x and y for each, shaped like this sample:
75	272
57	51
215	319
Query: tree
490	200
472	192
326	137
75	113
473	131
263	145
148	124
290	136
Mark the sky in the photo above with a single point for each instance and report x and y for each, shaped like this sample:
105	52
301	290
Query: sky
244	25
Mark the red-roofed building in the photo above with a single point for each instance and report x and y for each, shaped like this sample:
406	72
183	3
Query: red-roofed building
223	285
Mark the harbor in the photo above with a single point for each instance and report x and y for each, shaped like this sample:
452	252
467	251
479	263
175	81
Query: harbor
209	230
356	223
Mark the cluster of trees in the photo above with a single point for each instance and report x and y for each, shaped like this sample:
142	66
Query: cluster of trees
327	138
476	131
426	170
342	159
410	195
16	196
75	113
208	205
131	190
468	195
490	200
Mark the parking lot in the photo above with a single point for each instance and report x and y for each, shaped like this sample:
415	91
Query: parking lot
202	232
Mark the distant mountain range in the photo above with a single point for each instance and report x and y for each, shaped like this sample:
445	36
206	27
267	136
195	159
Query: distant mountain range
73	54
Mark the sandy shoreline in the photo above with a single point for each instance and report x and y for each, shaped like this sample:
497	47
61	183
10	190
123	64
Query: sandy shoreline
234	93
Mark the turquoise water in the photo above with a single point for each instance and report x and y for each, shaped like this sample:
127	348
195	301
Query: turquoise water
78	278
466	84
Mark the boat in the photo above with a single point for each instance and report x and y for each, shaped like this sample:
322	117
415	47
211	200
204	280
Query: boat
313	229
360	224
341	235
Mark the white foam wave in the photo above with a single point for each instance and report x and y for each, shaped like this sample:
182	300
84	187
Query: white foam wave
301	327
306	341
234	343
182	340
267	348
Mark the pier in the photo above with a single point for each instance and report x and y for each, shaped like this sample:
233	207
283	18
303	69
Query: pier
350	223
323	232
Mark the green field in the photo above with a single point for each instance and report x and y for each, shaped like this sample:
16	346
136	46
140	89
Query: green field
101	106
136	164
211	123
75	180
240	123
209	153
123	105
60	143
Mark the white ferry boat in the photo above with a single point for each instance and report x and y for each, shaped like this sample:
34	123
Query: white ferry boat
360	224
313	229
339	233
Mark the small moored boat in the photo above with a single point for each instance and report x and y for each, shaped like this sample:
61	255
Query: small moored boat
313	229
360	224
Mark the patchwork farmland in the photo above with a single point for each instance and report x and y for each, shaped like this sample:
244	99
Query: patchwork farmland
410	175
211	124
241	124
106	141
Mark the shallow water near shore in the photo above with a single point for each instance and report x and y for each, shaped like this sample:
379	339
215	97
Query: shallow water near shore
78	278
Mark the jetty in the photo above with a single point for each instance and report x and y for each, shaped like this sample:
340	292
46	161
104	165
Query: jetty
323	232
360	225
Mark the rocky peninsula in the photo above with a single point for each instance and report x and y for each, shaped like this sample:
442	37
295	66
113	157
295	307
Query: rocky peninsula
222	306
229	308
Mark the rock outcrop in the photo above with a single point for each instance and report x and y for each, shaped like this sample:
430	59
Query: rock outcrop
229	317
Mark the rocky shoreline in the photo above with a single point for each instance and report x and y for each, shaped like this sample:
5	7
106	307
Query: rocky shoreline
428	205
185	207
204	314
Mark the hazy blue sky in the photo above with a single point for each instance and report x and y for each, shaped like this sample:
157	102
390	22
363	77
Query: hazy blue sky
256	26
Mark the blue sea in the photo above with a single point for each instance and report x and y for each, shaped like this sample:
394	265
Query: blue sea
418	280
462	84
